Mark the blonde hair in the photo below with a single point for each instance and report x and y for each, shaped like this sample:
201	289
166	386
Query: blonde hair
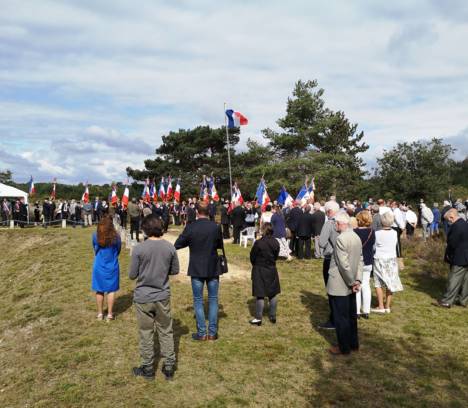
387	219
364	218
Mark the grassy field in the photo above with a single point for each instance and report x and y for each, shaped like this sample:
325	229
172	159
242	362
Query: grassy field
55	354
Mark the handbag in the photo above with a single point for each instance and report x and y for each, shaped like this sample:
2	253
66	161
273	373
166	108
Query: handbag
221	263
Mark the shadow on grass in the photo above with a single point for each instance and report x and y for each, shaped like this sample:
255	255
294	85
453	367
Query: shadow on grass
319	313
179	330
123	303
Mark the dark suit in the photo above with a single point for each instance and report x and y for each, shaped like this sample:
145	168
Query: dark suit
305	228
191	215
204	238
456	254
237	220
293	222
225	222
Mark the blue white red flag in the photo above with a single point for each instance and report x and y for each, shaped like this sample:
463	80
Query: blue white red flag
162	190
32	189
177	192
146	193
235	119
284	198
114	198
263	199
236	195
212	189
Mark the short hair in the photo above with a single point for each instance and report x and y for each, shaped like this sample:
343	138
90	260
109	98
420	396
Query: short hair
380	201
364	219
152	226
268	207
342	218
436	205
387	219
332	206
202	208
267	229
450	212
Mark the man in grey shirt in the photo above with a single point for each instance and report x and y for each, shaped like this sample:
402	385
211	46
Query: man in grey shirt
152	263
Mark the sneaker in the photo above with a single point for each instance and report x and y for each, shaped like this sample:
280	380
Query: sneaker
327	326
168	372
387	311
147	372
378	310
255	322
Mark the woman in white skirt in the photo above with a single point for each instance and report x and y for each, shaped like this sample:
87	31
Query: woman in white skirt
385	264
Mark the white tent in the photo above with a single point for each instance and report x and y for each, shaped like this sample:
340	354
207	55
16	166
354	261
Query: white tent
12	192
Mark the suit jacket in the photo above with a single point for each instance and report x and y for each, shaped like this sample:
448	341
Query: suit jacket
456	252
318	221
293	219
238	217
204	238
305	226
224	215
346	264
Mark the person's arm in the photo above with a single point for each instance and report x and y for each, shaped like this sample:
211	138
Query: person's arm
95	244
253	253
175	267
343	264
324	235
276	250
119	245
220	242
134	265
183	240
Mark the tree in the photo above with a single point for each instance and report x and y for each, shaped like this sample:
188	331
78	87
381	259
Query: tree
411	171
6	176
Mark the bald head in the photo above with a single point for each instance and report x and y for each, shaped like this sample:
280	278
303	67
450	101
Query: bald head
451	215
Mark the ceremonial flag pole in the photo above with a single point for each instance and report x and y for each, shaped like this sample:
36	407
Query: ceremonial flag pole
228	150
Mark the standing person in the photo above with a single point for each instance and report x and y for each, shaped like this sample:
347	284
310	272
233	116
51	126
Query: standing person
134	213
447	206
327	242
165	216
304	233
426	219
411	222
318	220
37	213
151	264
212	210
399	224
78	212
237	219
105	278
266	215
250	215
122	211
293	223
5	211
23	212
436	221
279	232
456	255
385	264
97	209
204	238
367	236
265	278
72	210
345	276
225	220
191	213
88	214
376	222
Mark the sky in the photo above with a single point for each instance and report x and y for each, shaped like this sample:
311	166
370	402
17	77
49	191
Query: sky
89	87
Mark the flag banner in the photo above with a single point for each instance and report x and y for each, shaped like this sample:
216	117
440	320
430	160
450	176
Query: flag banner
237	195
177	192
53	193
32	189
263	199
162	190
213	193
85	196
114	198
125	197
284	198
145	194
235	119
169	192
152	192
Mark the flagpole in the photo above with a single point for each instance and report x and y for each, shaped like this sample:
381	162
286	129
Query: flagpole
229	151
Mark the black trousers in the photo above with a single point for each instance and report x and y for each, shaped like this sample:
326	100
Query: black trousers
293	243
398	249
344	311
236	232
326	268
123	220
409	230
304	248
226	232
135	227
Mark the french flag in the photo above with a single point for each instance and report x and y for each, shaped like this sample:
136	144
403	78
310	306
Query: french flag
177	192
114	195
235	119
32	189
145	193
162	191
284	198
169	190
213	192
54	189
126	196
84	197
263	199
237	195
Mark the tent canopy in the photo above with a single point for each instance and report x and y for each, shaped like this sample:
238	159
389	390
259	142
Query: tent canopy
12	192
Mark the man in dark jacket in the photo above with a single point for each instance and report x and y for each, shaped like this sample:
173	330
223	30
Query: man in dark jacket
225	220
238	220
293	223
318	221
212	210
191	213
456	254
204	238
304	233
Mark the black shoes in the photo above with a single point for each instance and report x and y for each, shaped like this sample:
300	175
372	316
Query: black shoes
326	326
272	319
197	337
365	316
168	372
147	372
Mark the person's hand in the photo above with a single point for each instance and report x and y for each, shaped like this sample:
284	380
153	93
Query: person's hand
356	287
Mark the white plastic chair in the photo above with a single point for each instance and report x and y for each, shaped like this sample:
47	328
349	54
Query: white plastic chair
247	234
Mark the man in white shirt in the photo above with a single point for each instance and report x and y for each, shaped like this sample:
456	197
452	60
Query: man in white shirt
399	224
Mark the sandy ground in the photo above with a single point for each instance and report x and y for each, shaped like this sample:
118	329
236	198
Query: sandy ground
235	271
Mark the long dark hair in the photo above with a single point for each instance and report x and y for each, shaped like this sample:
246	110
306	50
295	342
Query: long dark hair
106	233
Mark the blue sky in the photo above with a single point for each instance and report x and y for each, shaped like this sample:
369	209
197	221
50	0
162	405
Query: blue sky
88	88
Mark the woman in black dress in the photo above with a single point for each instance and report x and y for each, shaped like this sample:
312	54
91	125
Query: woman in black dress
265	279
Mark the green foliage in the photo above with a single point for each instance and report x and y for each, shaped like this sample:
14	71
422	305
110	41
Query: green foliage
6	176
411	171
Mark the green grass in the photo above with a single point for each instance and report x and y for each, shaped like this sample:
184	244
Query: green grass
54	353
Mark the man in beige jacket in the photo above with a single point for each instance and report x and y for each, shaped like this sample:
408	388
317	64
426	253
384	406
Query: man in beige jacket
344	281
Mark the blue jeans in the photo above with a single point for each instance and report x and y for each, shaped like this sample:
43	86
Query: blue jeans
197	290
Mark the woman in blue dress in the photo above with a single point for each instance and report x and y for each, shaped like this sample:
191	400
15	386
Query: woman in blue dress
105	278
